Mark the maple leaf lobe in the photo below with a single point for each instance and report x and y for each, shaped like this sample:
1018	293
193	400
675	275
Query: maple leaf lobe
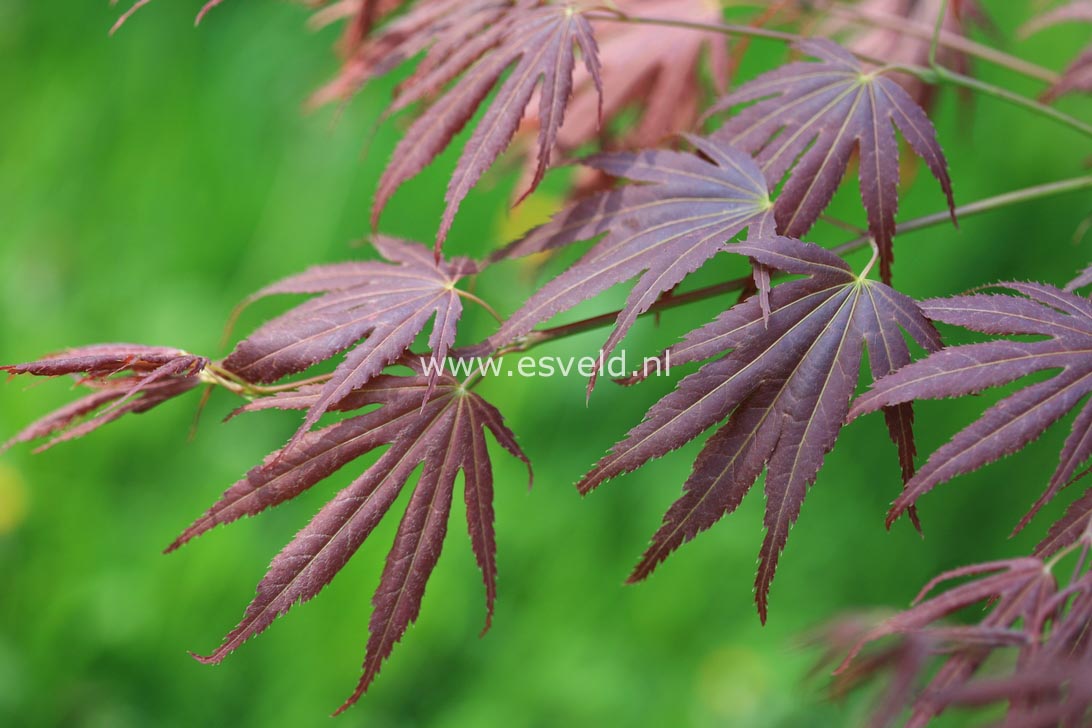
1064	319
807	119
446	436
374	308
783	383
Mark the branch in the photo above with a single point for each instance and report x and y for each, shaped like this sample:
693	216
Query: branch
990	203
940	74
744	31
1028	194
216	375
934	76
747	31
952	41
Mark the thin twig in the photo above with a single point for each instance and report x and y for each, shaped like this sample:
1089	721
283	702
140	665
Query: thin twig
1028	194
947	39
217	375
936	75
946	75
934	41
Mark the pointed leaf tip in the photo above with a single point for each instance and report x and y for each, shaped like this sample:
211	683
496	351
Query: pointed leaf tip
805	121
778	389
678	215
373	310
446	437
1062	323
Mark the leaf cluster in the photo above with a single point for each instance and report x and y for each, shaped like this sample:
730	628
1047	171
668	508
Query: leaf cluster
689	181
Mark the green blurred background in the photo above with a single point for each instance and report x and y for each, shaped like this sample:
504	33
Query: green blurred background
149	181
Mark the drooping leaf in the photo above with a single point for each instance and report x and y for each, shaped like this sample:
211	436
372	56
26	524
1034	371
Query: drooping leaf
445	24
689	206
1073	11
654	69
1045	686
807	121
362	17
1065	319
125	378
1017	585
375	308
1082	280
903	660
138	4
446	436
471	46
1077	77
100	361
1021	596
1074	525
784	387
1040	694
884	35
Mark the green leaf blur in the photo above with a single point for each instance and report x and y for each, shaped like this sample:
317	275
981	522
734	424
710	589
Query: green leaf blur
150	181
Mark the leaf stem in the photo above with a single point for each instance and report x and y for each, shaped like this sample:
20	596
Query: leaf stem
934	42
872	261
1080	543
489	309
1082	561
216	374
